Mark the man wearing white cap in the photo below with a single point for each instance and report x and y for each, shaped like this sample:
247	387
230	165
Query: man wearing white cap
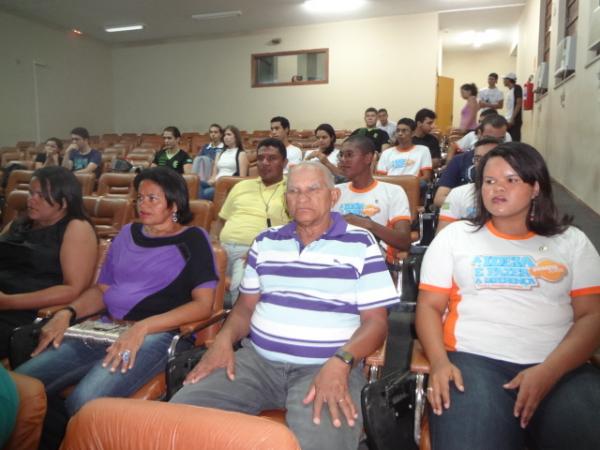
514	106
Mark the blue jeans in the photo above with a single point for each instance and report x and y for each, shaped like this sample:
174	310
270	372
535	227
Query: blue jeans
482	416
261	384
206	191
79	362
236	263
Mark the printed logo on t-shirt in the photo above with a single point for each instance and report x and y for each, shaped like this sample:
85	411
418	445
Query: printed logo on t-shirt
359	209
402	163
514	272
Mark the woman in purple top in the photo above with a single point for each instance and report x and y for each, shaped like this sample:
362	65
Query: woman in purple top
158	273
468	115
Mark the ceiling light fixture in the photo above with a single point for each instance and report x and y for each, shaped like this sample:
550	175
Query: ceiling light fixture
217	15
124	28
321	6
479	38
77	32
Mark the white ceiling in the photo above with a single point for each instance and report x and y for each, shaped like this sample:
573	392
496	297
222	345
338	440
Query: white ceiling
171	19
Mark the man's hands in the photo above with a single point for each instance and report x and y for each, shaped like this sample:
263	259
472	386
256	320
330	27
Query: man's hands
533	384
358	221
219	355
330	387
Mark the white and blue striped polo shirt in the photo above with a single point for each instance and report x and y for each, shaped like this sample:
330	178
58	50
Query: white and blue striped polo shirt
311	297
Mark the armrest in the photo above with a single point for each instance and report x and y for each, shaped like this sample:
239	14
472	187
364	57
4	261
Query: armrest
418	361
377	358
192	327
202	327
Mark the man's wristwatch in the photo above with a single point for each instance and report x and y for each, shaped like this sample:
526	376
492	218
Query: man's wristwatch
345	356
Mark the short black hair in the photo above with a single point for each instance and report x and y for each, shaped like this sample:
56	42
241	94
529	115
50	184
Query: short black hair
382	110
493	75
81	132
487	140
174	187
285	124
495	120
364	143
408	122
543	218
423	114
272	142
173	130
488	112
216	125
371	109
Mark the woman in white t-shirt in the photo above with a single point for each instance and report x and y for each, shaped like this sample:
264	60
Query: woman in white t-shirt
509	315
232	161
325	152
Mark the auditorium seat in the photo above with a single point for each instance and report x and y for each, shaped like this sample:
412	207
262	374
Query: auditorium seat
193	184
6	157
140	159
126	424
87	181
410	184
222	188
18	180
108	214
116	184
203	213
16	203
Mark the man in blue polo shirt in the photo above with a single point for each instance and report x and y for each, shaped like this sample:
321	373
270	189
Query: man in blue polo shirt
312	307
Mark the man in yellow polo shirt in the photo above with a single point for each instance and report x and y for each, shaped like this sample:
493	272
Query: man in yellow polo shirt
252	206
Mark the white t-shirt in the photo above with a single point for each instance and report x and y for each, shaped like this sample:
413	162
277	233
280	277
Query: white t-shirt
389	127
332	157
404	162
294	155
459	204
489	95
383	203
509	296
467	142
509	104
226	165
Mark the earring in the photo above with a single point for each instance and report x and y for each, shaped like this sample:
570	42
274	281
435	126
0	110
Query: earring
532	210
174	217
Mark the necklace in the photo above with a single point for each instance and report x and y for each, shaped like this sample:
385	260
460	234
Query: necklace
260	189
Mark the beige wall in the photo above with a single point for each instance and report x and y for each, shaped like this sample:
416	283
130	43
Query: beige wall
564	123
74	82
474	67
191	84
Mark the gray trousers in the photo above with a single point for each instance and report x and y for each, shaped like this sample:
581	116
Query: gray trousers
261	384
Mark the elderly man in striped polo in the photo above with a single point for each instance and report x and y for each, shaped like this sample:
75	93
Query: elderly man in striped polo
312	306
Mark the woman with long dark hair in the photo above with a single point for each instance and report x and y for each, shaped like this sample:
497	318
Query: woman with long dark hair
232	161
325	152
47	255
509	314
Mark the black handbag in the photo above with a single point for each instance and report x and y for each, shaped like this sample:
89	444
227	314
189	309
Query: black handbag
23	341
179	366
388	412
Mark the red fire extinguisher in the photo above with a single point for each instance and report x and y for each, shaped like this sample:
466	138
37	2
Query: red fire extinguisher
528	95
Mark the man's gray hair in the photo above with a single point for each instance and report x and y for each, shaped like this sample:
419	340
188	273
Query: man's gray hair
314	165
